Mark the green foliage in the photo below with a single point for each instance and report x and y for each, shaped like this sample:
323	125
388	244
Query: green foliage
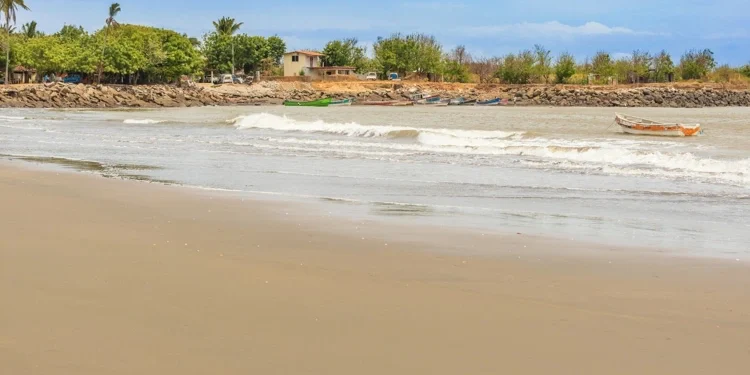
565	67
69	50
543	65
457	65
517	69
344	52
696	64
227	26
602	65
663	66
745	70
249	51
418	53
621	69
29	30
641	62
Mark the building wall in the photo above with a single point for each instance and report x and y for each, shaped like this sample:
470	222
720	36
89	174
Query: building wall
292	68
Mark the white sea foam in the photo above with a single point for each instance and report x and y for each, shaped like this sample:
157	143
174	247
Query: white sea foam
11	118
143	121
619	157
353	129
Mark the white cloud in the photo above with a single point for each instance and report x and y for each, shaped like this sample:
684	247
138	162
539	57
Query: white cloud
553	28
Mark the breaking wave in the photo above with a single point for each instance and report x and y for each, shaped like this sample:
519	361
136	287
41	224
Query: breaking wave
607	156
143	121
353	129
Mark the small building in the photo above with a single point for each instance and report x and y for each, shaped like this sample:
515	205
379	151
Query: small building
310	64
299	62
23	75
330	71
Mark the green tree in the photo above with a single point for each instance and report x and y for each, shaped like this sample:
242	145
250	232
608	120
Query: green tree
9	8
29	30
110	23
602	65
565	67
344	52
696	64
663	66
419	53
457	65
228	27
641	62
276	48
517	69
543	64
622	69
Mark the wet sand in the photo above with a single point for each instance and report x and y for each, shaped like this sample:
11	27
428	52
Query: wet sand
102	276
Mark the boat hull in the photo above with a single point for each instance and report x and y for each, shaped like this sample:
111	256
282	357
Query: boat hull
341	103
314	103
388	103
639	126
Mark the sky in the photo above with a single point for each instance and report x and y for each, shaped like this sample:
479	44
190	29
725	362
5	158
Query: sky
486	28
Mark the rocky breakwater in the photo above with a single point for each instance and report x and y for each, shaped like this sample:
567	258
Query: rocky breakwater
107	96
561	96
632	97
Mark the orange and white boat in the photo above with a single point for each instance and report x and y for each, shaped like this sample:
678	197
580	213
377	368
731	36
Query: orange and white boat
642	126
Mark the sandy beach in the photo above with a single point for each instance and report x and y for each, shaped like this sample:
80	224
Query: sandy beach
103	276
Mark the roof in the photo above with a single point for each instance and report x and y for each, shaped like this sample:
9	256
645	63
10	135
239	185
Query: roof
334	68
21	69
305	52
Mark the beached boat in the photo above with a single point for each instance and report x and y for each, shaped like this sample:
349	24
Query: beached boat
313	103
457	101
388	103
432	100
342	102
496	101
642	126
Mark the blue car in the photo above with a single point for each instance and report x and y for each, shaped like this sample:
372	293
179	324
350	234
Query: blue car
73	78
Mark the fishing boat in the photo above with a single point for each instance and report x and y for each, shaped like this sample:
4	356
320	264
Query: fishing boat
642	126
432	100
388	103
457	101
342	102
313	103
491	102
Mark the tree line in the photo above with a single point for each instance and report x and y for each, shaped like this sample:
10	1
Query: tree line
140	54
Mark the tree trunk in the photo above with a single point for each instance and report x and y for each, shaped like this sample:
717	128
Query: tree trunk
7	51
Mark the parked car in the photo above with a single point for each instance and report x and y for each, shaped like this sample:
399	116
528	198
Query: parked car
393	77
236	79
72	78
226	78
371	76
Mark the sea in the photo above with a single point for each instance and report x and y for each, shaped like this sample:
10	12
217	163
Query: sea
567	173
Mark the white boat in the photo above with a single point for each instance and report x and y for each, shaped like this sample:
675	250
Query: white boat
642	126
342	102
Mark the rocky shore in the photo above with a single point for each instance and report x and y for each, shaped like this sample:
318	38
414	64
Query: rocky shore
109	96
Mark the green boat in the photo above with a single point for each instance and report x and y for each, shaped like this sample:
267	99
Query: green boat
315	103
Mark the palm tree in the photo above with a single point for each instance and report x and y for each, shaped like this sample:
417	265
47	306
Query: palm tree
228	26
111	23
9	9
29	30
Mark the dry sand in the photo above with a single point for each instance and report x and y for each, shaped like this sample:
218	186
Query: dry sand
102	276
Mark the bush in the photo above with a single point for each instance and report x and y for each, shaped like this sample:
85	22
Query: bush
696	64
565	67
516	69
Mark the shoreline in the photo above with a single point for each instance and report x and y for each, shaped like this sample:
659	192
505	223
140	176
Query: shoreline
318	208
275	92
122	277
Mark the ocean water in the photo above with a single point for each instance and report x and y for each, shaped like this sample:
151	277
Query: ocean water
560	172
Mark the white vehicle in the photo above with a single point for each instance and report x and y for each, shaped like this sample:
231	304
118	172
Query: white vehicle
371	76
227	78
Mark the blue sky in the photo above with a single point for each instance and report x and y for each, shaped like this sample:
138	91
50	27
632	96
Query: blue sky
486	27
